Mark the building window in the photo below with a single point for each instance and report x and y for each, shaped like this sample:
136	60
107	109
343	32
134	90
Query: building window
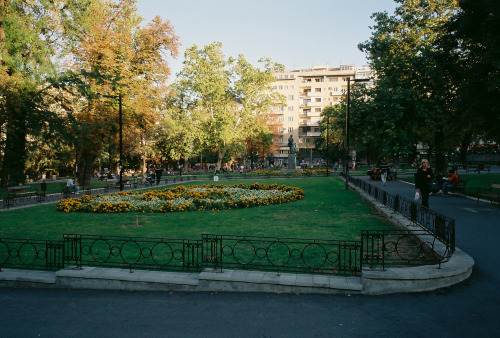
290	108
281	108
281	118
280	87
290	129
317	90
292	87
335	79
290	118
290	97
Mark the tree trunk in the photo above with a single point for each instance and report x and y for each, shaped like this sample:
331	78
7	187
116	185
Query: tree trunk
466	140
439	152
222	153
85	166
185	167
15	145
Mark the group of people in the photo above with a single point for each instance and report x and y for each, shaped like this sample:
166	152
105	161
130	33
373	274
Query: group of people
425	181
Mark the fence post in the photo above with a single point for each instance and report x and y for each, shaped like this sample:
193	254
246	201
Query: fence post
413	213
440	228
72	250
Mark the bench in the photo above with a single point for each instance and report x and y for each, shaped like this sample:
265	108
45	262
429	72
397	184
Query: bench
492	193
458	188
66	190
375	175
21	191
478	168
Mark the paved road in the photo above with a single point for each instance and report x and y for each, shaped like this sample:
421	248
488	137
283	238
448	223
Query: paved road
471	308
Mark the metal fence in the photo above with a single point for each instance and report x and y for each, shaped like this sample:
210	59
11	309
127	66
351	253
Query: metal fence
31	254
376	249
433	223
282	254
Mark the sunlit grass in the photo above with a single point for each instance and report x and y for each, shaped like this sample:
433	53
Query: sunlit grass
327	211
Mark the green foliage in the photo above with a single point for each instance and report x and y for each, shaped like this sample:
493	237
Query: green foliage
224	99
410	101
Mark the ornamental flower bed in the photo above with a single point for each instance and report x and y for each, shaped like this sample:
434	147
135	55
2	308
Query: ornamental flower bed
181	198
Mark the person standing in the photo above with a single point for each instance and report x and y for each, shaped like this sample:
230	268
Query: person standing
423	178
158	173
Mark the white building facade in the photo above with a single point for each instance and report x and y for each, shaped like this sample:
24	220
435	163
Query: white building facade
307	92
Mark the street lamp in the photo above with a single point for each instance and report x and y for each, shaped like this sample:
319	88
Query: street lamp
327	148
347	127
119	96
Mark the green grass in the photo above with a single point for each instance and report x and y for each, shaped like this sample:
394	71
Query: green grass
474	181
326	212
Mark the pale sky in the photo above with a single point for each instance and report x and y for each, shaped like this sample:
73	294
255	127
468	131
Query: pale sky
294	33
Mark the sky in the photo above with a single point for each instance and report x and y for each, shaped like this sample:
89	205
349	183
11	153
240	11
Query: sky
295	33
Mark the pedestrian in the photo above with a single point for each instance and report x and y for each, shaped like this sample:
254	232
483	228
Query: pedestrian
158	173
423	179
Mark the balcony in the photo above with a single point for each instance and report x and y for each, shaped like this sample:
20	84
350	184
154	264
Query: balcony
313	133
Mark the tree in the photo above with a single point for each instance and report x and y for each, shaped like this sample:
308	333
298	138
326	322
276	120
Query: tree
116	58
33	35
230	95
411	92
470	53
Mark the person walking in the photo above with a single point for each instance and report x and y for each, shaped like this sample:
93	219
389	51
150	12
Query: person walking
423	178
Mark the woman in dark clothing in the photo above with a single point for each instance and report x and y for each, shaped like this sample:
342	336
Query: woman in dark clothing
423	177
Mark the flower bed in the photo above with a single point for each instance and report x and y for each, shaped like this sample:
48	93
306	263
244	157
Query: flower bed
181	198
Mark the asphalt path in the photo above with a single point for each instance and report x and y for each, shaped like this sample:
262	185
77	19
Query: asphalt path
469	309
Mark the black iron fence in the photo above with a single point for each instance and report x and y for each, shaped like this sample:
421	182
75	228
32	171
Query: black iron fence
146	253
376	249
282	254
433	223
31	254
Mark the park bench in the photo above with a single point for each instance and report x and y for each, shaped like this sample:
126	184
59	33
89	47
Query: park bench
66	190
23	193
375	175
492	193
458	188
478	168
116	184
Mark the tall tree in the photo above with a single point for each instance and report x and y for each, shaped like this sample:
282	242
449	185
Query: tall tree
33	34
470	51
119	58
410	90
231	94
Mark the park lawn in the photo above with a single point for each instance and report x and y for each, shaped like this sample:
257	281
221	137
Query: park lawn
474	181
327	211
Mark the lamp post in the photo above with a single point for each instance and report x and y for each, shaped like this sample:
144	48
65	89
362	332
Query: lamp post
120	122
327	148
347	127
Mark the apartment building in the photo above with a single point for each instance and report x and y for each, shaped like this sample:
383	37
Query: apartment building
308	91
